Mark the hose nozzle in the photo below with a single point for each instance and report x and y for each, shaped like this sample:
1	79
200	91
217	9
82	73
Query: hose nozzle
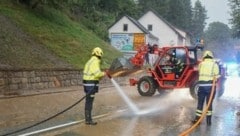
108	74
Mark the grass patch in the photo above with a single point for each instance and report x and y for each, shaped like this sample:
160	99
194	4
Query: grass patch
63	37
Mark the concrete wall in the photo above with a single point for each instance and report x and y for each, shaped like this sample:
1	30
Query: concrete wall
27	81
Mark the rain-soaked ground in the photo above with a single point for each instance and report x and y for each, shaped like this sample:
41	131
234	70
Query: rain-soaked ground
167	114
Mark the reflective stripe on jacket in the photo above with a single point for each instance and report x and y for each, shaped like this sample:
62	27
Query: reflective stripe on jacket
208	68
92	69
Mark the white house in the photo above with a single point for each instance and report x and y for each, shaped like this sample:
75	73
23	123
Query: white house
127	34
166	33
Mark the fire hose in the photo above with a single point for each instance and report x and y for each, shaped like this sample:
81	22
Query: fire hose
57	114
188	131
45	120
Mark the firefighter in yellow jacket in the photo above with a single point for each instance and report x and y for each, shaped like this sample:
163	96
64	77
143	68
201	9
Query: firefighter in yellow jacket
91	76
208	69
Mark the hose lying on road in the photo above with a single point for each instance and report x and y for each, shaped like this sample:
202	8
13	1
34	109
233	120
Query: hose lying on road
188	131
36	124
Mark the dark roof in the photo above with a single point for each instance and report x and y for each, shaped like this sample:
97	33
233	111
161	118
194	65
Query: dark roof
166	22
140	26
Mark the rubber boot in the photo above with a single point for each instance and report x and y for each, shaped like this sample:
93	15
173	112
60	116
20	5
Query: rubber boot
88	118
209	120
196	119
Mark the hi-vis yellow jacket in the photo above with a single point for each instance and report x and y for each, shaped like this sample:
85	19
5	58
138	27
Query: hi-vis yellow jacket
92	69
208	68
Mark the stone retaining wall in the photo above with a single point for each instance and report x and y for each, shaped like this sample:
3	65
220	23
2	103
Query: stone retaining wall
20	81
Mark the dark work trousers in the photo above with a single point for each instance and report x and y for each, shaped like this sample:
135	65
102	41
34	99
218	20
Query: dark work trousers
89	101
90	89
204	93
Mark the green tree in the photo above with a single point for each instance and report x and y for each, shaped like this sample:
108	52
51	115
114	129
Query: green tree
199	16
161	6
217	31
180	13
128	7
187	15
218	39
89	5
53	3
177	12
235	14
109	5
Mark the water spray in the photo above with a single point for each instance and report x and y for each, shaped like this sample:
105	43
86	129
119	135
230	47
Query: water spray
130	104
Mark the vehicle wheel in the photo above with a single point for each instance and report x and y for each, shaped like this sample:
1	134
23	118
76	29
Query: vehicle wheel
146	86
193	89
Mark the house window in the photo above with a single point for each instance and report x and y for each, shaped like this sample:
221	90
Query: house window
125	27
149	27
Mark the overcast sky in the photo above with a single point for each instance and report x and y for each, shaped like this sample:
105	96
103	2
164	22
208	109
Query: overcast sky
217	10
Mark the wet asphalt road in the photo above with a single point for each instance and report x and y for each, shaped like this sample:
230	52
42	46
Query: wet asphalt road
167	114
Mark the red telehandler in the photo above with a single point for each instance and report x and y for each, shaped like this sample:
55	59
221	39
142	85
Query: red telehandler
164	74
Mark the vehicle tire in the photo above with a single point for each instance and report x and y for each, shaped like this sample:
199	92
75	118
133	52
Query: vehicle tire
194	89
146	86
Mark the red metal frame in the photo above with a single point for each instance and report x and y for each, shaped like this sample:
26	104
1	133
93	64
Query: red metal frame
138	59
188	76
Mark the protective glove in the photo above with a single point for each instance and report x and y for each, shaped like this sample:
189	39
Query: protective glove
107	73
